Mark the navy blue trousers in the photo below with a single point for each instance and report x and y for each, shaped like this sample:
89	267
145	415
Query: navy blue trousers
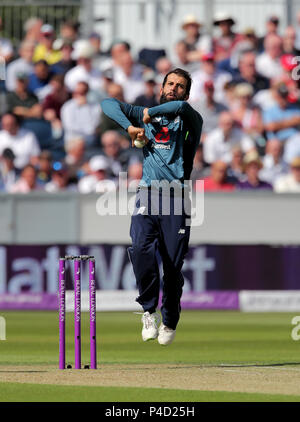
152	232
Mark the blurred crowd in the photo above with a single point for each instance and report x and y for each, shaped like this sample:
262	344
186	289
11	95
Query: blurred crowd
55	137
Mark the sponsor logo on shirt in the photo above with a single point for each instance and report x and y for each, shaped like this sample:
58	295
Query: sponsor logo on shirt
159	146
163	135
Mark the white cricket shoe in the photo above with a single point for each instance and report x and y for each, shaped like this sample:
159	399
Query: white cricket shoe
165	335
150	326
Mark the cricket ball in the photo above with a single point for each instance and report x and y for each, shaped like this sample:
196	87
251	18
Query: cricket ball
139	143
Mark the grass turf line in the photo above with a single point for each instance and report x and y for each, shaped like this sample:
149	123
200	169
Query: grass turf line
18	392
202	338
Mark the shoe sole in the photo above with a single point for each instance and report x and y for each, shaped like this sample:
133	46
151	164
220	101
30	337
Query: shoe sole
165	344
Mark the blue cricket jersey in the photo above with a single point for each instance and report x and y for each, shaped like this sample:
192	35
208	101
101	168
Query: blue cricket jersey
174	134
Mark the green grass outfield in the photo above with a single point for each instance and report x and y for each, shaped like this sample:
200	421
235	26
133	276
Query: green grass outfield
11	392
203	338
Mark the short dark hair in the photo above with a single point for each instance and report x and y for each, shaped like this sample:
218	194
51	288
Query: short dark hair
17	118
184	74
41	61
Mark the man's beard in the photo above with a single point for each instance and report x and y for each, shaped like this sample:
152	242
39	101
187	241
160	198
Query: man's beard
163	99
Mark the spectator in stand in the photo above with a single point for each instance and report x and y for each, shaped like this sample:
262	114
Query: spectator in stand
191	26
224	44
281	120
253	165
297	26
111	146
113	91
79	117
75	158
268	62
288	65
60	180
108	79
245	114
229	96
208	108
272	25
182	58
99	56
248	42
39	80
289	182
249	74
130	76
66	62
21	65
98	180
196	44
27	182
21	102
209	72
32	29
289	41
162	66
6	47
273	163
57	97
8	172
292	148
149	97
117	49
135	173
44	50
69	30
22	142
219	143
264	98
236	168
200	170
217	180
44	167
83	71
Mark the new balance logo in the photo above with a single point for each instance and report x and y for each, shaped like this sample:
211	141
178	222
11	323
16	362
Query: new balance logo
141	210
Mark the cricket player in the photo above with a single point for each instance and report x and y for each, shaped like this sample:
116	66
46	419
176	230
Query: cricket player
171	132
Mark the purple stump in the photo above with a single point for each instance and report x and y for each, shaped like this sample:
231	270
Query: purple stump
62	313
92	288
77	313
